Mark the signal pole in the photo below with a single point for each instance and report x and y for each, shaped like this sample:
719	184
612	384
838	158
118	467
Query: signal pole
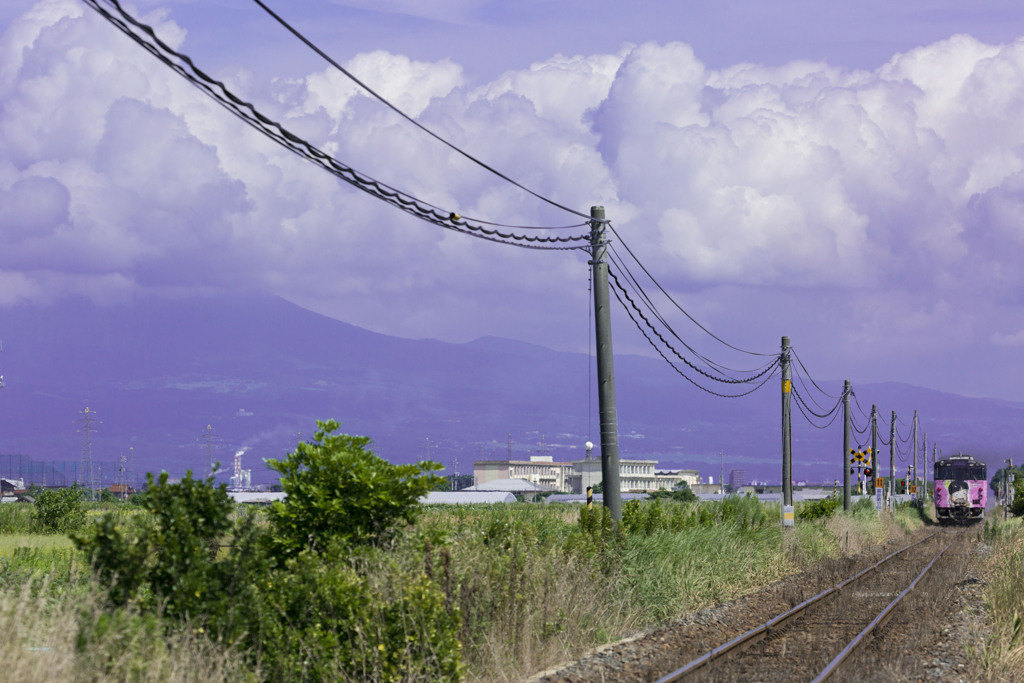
605	367
787	436
846	445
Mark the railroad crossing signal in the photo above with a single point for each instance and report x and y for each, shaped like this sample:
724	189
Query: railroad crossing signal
861	461
902	486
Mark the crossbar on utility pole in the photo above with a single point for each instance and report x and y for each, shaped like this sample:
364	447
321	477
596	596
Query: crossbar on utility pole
846	446
787	437
605	369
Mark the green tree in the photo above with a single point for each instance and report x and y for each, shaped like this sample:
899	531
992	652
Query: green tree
59	511
338	491
172	551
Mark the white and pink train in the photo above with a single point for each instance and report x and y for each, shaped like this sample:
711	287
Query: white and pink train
961	490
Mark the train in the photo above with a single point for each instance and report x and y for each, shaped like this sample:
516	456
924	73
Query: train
961	490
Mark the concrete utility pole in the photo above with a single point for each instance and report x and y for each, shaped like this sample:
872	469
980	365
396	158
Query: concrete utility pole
1007	488
787	437
874	439
846	445
917	491
924	461
605	368
892	457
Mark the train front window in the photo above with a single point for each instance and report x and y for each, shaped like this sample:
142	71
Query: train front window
960	472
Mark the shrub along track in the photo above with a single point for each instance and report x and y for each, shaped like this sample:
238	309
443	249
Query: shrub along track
914	645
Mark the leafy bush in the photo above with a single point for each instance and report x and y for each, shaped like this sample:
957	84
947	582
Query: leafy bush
16	518
298	594
818	509
172	553
59	511
339	491
1017	508
324	617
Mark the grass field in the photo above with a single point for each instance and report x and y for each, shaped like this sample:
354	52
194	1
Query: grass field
533	584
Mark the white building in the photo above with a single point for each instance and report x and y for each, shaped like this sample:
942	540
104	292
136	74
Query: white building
577	476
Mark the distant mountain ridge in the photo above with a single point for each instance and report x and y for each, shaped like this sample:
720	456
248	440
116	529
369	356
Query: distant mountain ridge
260	370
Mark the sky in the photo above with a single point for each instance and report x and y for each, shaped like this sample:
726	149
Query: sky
848	174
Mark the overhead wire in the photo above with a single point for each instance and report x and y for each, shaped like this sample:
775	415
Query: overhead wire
804	383
677	305
405	116
642	294
804	409
635	308
183	65
619	293
801	364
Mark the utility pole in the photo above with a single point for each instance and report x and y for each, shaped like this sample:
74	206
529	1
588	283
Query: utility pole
924	461
605	365
846	445
917	498
787	437
892	457
1007	488
874	440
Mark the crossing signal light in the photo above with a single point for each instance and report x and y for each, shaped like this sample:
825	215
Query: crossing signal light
902	486
867	471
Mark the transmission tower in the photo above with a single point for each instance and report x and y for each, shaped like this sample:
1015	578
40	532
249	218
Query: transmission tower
208	440
87	422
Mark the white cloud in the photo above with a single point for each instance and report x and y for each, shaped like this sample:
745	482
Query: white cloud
1000	339
804	176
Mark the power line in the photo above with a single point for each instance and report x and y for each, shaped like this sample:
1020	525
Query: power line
773	366
183	65
804	410
801	364
405	116
678	306
642	294
619	288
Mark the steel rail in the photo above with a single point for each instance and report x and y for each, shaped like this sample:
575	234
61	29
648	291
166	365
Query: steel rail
878	622
765	629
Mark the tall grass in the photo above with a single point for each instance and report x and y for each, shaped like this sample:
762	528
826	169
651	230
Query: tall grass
534	586
1005	655
50	637
531	594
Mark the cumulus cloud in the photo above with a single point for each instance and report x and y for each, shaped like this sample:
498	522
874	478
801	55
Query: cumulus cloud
118	176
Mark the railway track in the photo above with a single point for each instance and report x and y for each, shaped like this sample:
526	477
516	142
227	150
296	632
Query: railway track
820	637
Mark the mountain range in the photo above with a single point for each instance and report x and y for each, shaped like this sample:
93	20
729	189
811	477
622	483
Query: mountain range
260	371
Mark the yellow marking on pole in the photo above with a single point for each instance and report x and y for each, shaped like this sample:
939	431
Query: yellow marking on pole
787	385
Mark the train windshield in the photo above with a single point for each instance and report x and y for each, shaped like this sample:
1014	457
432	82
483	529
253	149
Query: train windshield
958	471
